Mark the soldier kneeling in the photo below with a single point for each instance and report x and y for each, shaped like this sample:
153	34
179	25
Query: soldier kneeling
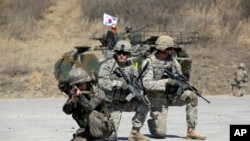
87	105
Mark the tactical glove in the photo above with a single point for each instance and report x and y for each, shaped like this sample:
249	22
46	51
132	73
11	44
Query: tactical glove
175	83
124	84
172	82
183	86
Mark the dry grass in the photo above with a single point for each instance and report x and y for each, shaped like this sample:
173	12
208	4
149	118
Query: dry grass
19	17
213	66
35	33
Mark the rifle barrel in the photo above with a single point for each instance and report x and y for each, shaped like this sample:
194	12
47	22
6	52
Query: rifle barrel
135	90
182	80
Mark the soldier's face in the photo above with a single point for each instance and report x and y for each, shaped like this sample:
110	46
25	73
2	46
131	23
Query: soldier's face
170	51
82	86
122	56
162	54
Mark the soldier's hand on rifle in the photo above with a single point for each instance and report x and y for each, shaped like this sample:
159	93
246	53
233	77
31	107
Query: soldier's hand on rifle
172	82
76	92
183	86
124	84
74	99
175	83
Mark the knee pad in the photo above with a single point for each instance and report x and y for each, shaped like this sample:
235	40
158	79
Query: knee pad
157	126
194	98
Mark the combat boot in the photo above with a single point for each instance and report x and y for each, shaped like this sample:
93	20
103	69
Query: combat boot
192	134
135	135
232	94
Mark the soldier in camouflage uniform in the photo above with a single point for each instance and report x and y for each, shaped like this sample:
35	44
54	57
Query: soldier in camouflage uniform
134	37
127	35
164	92
116	88
83	99
240	80
111	37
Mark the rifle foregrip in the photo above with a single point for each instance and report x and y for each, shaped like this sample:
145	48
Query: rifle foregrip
129	97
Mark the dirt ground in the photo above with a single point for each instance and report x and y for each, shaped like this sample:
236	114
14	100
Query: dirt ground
27	67
43	119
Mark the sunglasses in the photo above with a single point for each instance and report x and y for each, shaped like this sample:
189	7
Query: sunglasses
170	48
122	52
165	51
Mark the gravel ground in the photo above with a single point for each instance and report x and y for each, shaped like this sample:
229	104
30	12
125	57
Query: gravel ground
43	119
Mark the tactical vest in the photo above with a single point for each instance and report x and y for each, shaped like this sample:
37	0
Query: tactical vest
119	94
159	66
79	114
239	75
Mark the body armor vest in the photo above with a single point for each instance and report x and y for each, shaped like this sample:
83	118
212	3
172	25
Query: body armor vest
160	65
239	75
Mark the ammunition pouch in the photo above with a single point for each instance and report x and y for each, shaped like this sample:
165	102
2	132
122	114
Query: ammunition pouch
194	99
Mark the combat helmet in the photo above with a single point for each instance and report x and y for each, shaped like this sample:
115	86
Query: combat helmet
123	46
241	65
164	42
78	75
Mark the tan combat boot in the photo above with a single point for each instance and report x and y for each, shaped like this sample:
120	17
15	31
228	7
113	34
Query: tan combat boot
232	94
135	135
192	134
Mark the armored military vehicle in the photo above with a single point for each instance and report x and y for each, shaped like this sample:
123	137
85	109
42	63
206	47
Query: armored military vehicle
81	56
143	43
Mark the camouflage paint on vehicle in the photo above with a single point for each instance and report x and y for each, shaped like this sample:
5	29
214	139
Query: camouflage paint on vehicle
81	57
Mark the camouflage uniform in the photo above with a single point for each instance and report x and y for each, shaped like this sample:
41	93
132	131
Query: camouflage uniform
127	35
85	104
111	39
117	89
240	80
161	96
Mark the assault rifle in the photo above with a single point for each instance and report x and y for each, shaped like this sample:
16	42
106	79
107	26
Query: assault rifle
139	29
182	80
72	92
134	87
99	39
